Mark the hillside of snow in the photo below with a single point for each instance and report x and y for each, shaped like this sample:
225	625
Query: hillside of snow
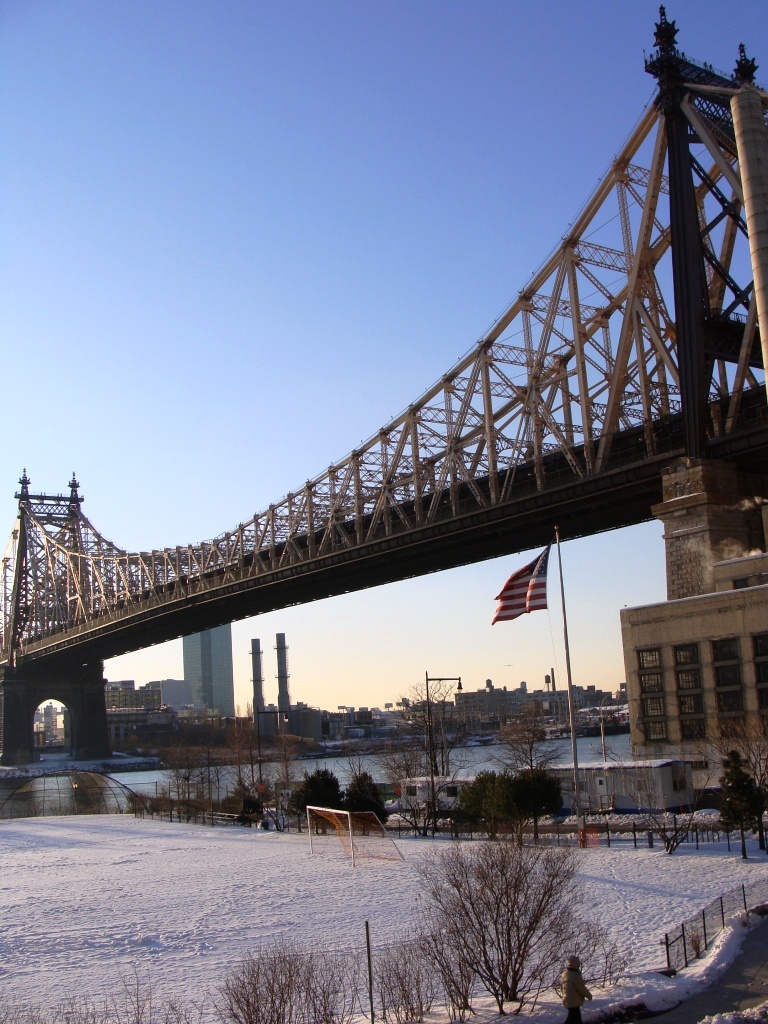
88	900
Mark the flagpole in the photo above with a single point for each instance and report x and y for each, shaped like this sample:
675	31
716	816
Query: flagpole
571	713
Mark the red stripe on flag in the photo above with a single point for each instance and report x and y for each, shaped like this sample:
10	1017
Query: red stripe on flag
525	591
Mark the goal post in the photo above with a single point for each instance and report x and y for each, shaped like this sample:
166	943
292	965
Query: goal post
361	834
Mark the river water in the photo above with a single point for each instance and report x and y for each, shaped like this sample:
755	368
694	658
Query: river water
466	761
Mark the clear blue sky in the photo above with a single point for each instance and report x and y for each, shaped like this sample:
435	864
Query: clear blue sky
238	237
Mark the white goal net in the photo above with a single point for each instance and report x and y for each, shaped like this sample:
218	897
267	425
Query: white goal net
360	833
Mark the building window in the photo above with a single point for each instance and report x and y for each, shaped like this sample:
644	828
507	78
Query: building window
725	656
650	658
655	731
693	729
760	649
688	679
653	706
726	649
691	704
741	583
732	726
729	700
727	675
650	682
687	654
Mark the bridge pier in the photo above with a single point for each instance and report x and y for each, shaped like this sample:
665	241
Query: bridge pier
711	513
79	687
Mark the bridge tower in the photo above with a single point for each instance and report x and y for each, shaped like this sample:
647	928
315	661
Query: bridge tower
74	682
708	509
79	686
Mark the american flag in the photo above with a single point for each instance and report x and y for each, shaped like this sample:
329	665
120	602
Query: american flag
525	590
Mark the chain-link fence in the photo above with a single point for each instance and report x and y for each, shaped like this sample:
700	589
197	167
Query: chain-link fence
690	939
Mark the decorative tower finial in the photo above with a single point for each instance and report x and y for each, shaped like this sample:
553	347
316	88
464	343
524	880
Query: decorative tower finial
744	72
74	497
666	31
24	480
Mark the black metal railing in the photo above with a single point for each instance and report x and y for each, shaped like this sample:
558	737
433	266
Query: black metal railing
691	938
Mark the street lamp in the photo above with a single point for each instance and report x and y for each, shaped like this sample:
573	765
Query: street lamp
602	726
431	741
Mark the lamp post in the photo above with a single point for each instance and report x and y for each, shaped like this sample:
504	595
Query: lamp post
602	727
431	741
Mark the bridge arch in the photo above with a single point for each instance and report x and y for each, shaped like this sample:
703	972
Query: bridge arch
79	687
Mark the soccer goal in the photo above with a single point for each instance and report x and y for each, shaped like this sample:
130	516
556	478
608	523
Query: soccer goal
360	832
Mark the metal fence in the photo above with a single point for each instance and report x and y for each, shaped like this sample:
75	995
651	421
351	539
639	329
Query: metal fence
690	939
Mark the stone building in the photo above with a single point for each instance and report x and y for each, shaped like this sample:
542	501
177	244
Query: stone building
697	664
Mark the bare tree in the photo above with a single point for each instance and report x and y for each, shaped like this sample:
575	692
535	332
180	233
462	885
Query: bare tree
436	722
508	909
455	975
399	763
185	774
404	983
602	962
671	828
284	984
131	1003
263	988
242	748
330	987
523	738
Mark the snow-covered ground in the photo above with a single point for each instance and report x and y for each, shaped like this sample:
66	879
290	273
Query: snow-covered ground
85	900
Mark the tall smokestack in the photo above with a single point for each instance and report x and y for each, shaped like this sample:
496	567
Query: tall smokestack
258	677
552	673
283	697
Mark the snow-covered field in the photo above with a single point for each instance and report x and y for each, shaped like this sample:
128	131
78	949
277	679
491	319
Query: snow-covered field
85	900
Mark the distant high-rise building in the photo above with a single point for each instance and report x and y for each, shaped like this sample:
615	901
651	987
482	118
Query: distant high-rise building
176	693
208	669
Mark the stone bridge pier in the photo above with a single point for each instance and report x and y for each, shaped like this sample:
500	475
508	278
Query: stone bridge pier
80	687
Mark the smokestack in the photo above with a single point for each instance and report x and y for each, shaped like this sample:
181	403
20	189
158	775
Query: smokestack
283	697
552	676
258	677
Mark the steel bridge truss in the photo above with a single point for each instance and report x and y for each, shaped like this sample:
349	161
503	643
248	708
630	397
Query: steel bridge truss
587	352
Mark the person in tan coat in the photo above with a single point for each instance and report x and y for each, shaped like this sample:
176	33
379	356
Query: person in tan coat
574	990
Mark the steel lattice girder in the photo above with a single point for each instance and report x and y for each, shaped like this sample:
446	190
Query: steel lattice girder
588	349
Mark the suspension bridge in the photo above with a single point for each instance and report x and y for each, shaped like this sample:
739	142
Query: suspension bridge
636	345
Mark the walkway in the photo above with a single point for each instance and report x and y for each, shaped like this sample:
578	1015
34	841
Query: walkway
743	985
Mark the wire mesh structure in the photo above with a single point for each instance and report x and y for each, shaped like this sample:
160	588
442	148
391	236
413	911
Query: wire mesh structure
360	833
693	937
66	792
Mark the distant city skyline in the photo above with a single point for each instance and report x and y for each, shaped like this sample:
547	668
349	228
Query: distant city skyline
237	241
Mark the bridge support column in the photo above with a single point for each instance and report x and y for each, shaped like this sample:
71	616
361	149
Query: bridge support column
710	513
79	687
